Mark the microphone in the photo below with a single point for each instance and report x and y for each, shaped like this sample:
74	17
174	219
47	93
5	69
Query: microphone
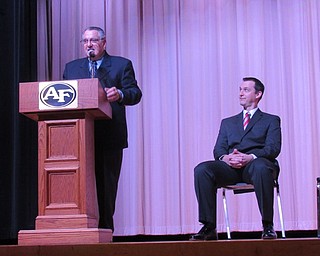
90	53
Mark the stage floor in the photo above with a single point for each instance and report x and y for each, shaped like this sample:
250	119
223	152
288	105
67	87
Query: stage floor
241	247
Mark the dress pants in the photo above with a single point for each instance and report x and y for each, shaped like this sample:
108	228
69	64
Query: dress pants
107	168
211	175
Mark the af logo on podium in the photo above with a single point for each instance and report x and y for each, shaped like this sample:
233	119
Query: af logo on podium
57	95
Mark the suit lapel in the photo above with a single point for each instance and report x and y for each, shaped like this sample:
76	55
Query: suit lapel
240	124
104	69
84	68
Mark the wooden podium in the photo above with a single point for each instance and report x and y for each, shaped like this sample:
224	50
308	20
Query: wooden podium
65	112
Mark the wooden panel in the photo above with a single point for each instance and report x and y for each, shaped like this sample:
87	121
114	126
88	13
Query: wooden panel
67	183
59	167
63	139
66	174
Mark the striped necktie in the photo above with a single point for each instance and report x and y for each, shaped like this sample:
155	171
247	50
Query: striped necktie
246	120
93	68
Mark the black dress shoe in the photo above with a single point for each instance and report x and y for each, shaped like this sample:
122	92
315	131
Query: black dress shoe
207	232
269	233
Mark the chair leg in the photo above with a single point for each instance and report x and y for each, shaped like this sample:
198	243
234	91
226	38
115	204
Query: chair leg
280	213
225	207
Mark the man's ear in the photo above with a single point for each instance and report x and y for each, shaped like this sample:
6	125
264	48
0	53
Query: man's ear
258	95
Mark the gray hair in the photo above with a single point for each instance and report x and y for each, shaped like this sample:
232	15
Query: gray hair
102	35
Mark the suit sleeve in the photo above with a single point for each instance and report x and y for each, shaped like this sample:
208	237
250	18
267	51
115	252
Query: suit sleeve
272	145
222	146
131	92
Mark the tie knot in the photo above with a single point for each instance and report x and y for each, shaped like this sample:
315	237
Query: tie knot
93	64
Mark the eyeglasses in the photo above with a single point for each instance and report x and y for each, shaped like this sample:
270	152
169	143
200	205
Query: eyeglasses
92	40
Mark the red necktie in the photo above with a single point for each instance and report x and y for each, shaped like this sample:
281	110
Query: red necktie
246	120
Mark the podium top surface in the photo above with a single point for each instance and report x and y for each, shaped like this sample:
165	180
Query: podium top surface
65	99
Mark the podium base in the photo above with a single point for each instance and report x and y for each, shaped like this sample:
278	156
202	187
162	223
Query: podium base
64	236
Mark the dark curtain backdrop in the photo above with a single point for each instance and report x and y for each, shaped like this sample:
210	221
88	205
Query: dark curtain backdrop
18	134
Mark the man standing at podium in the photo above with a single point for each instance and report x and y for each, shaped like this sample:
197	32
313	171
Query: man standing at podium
117	77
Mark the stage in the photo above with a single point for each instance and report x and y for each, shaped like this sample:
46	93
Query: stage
239	247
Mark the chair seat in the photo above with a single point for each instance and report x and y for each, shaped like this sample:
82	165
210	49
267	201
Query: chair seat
240	187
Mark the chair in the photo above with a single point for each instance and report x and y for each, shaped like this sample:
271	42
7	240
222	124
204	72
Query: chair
241	188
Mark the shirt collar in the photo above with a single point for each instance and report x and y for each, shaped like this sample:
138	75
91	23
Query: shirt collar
99	61
251	112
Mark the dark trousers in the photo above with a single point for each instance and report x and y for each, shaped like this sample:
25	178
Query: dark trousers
210	175
107	168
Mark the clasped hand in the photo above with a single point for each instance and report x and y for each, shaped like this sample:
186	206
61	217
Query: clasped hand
112	94
237	159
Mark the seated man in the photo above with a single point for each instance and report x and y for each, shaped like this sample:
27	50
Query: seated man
245	151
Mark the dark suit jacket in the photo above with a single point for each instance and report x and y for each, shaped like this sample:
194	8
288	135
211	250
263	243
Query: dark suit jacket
262	136
113	71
